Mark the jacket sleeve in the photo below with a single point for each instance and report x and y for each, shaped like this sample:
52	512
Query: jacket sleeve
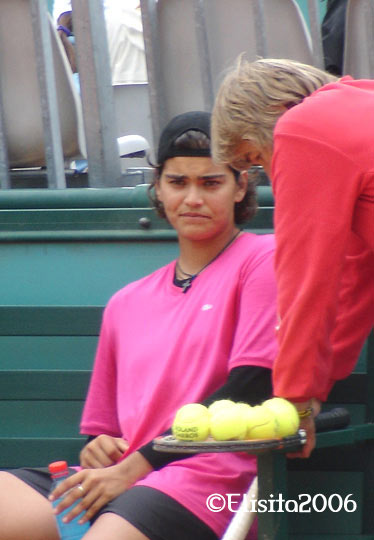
315	191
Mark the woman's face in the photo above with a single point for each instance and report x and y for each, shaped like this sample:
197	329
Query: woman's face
199	196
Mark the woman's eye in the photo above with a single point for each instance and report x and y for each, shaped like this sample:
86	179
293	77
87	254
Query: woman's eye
177	181
211	183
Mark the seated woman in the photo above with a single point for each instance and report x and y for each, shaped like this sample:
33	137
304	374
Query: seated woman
199	329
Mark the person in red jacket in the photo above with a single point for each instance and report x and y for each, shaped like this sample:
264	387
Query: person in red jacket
314	136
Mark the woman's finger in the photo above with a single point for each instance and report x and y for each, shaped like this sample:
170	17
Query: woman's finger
66	485
103	451
113	448
83	506
94	508
94	458
309	426
95	497
71	498
122	444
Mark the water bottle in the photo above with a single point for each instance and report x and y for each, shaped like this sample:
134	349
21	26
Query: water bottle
72	530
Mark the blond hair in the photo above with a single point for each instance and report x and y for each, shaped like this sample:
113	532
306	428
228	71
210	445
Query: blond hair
253	96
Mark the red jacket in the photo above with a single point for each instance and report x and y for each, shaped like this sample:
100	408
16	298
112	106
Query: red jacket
323	180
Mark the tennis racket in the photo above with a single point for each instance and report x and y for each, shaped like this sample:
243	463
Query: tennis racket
334	419
242	521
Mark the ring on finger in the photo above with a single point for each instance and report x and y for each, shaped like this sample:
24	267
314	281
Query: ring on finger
81	489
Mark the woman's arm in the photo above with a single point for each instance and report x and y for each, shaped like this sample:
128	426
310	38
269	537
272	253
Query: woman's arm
249	384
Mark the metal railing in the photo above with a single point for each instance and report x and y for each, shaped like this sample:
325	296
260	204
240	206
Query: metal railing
191	18
104	168
96	92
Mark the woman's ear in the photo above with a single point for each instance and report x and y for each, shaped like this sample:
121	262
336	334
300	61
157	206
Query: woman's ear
242	186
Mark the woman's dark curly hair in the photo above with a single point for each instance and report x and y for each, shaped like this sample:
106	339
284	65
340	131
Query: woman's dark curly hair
197	140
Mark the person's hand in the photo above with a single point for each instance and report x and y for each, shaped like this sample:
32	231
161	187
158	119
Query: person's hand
94	488
102	451
308	425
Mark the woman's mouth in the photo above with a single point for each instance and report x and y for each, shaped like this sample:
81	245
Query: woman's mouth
194	215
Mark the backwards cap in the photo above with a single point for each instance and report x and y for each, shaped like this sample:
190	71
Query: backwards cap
193	120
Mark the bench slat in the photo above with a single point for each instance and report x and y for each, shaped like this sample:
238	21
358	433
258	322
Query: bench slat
43	384
40	418
50	320
38	452
348	435
47	352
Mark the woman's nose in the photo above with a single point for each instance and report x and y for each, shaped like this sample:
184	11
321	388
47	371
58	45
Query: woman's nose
193	196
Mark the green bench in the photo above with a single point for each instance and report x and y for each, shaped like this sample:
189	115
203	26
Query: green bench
47	356
64	253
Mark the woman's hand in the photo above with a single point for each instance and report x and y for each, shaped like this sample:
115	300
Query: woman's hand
102	451
94	488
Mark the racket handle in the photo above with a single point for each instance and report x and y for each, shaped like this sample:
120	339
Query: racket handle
241	523
337	418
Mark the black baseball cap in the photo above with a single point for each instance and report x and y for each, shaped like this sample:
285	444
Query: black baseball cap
192	120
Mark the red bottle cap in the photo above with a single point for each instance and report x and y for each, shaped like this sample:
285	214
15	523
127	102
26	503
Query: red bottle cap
58	467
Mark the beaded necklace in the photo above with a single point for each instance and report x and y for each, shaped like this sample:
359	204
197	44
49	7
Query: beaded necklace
187	281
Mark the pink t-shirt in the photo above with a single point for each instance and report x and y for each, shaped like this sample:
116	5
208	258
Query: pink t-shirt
160	348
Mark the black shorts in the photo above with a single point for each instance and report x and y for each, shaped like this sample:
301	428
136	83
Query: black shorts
156	515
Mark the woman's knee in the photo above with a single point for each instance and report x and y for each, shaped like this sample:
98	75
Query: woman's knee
24	513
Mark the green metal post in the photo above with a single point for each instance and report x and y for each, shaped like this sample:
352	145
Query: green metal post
272	494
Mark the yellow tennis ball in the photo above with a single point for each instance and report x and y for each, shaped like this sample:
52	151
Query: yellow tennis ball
261	423
228	423
191	423
220	404
286	414
244	407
